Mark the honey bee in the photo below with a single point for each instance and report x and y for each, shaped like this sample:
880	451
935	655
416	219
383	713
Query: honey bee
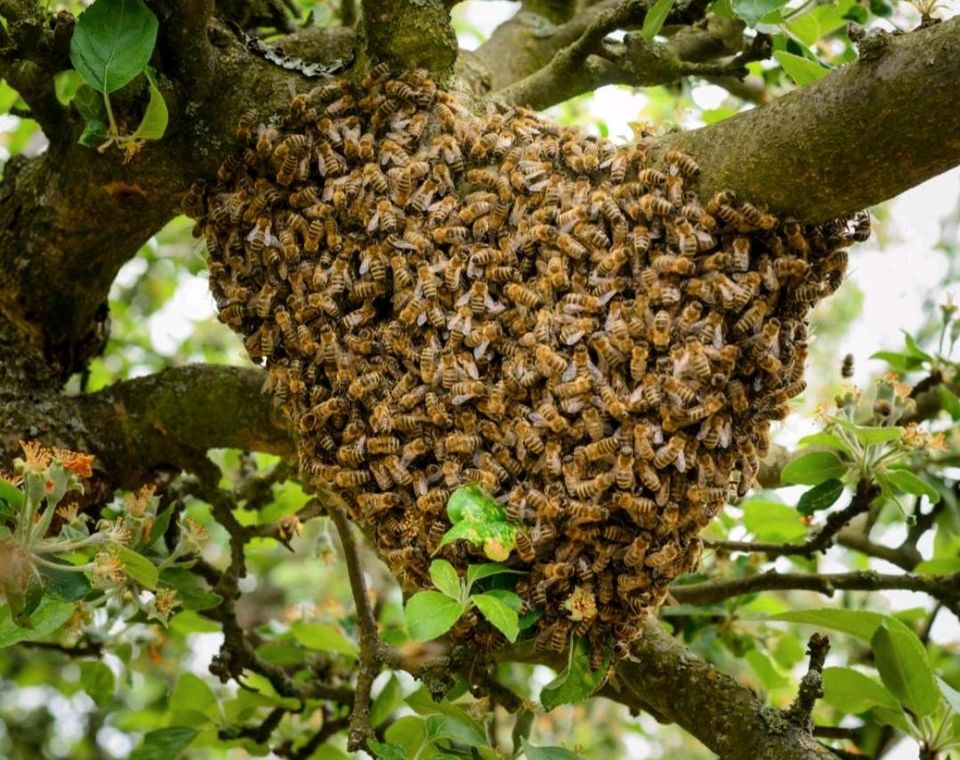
660	329
751	318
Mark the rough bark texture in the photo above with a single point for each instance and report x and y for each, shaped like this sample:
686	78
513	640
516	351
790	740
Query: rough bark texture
856	137
71	217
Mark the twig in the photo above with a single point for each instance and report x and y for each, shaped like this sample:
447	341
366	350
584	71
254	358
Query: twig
811	685
945	588
259	733
821	541
93	648
371	656
330	727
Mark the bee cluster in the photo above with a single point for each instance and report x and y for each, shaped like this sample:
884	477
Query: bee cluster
443	298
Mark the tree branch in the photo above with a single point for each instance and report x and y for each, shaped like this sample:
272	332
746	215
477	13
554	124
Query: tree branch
811	686
160	421
409	34
868	131
941	587
821	541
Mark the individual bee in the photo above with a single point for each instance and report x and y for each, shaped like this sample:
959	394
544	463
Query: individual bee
661	329
846	368
684	163
751	318
548	415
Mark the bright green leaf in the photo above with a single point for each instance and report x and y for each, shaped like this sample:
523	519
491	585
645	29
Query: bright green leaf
859	623
898	362
430	614
448	727
192	693
801	70
422	703
49	616
409	731
942	566
906	481
164	743
547	753
656	16
826	439
445	578
11	494
752	11
949	401
770	521
153	125
805	28
112	42
913	349
852	692
138	567
386	702
98	682
499	614
813	468
322	637
871	436
386	750
820	497
904	668
188	621
471	503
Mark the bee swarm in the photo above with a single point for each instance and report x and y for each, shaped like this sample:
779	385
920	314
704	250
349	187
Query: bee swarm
445	299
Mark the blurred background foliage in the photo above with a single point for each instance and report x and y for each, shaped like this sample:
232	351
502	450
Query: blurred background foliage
140	677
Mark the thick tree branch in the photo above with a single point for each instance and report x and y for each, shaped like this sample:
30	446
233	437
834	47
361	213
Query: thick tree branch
409	34
161	421
863	134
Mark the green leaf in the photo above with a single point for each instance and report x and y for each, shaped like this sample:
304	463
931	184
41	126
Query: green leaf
89	104
898	362
770	521
824	438
155	117
445	578
752	11
423	704
942	566
820	497
190	589
98	682
801	70
859	623
68	585
430	614
949	401
501	616
388	700
765	669
852	692
574	684
913	349
897	718
472	504
192	693
499	540
951	695
160	526
164	743
112	42
410	732
813	468
479	572
547	753
49	616
138	567
11	494
656	16
871	436
904	668
188	621
386	751
322	637
448	727
906	481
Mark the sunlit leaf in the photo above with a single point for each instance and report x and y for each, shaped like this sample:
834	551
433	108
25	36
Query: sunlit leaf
112	42
164	743
445	578
801	70
752	11
575	683
813	468
430	614
98	682
532	752
904	668
500	615
323	638
853	692
153	125
656	16
906	481
138	567
859	623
